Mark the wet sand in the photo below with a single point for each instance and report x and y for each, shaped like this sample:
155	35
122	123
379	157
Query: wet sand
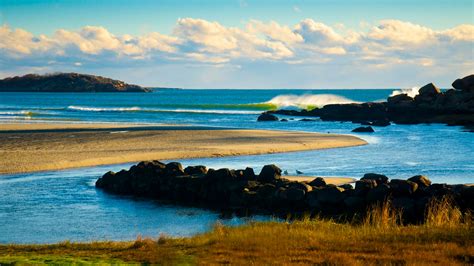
43	146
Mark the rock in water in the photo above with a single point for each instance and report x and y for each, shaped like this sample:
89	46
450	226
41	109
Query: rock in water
368	129
267	117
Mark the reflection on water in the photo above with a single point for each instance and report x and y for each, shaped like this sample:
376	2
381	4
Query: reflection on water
64	205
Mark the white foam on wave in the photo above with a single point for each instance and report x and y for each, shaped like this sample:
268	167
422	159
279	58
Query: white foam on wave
100	109
308	100
412	92
211	111
23	112
138	109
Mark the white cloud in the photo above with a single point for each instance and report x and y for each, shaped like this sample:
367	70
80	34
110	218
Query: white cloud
389	44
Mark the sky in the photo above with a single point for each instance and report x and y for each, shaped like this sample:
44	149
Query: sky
243	43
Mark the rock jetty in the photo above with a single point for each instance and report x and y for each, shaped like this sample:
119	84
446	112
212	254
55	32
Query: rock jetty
66	82
244	192
431	105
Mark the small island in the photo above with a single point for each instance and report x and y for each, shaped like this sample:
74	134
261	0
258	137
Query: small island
66	82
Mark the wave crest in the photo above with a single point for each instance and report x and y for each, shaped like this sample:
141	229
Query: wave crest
97	109
412	92
308	101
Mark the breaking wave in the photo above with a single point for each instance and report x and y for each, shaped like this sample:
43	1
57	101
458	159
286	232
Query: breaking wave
412	92
308	101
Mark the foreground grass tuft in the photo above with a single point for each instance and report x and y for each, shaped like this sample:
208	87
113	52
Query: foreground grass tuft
446	238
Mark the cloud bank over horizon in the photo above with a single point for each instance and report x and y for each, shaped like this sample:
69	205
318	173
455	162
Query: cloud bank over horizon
207	54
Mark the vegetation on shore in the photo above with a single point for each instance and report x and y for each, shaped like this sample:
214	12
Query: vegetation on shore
446	237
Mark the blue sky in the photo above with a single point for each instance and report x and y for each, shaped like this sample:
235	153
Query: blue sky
249	44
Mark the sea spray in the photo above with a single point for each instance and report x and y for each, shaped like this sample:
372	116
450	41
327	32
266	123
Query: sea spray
412	92
308	101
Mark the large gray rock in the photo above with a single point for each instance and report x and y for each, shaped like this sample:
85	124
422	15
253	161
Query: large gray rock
295	194
465	84
422	181
379	194
399	98
267	117
318	182
403	187
354	203
380	179
174	169
363	186
427	93
331	194
368	129
269	173
196	170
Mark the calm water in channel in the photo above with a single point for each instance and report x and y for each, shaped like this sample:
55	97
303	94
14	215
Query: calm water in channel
64	205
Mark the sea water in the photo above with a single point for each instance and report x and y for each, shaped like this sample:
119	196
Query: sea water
64	205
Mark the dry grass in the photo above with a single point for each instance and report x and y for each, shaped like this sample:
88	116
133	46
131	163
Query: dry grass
380	240
382	215
444	212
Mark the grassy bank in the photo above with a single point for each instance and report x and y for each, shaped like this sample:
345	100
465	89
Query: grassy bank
446	238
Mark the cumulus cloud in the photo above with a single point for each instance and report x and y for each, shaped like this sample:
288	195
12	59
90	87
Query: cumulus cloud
390	42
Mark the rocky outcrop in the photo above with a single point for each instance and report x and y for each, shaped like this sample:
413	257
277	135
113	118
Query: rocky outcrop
244	192
431	105
267	117
66	82
368	129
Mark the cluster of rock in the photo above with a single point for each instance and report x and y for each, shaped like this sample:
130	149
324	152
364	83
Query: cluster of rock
244	192
453	107
66	82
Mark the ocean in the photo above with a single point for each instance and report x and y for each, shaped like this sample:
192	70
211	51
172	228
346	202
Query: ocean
54	206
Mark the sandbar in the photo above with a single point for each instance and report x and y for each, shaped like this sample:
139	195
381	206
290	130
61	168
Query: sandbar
45	146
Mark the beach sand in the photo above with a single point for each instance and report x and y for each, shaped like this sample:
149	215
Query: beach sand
41	146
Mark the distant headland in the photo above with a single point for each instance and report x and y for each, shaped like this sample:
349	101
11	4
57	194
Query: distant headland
66	82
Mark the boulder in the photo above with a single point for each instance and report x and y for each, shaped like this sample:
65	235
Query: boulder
174	169
249	174
269	174
363	186
427	93
284	120
378	194
318	182
381	123
429	90
422	181
403	187
331	194
267	117
312	199
380	179
302	186
354	203
346	187
196	170
368	129
295	194
223	173
396	99
464	84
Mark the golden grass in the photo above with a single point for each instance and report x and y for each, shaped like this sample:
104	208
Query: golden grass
382	215
444	212
306	241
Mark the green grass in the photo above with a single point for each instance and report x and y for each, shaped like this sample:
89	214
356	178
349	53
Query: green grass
379	239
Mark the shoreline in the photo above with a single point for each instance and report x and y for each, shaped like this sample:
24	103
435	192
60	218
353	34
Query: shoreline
36	147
